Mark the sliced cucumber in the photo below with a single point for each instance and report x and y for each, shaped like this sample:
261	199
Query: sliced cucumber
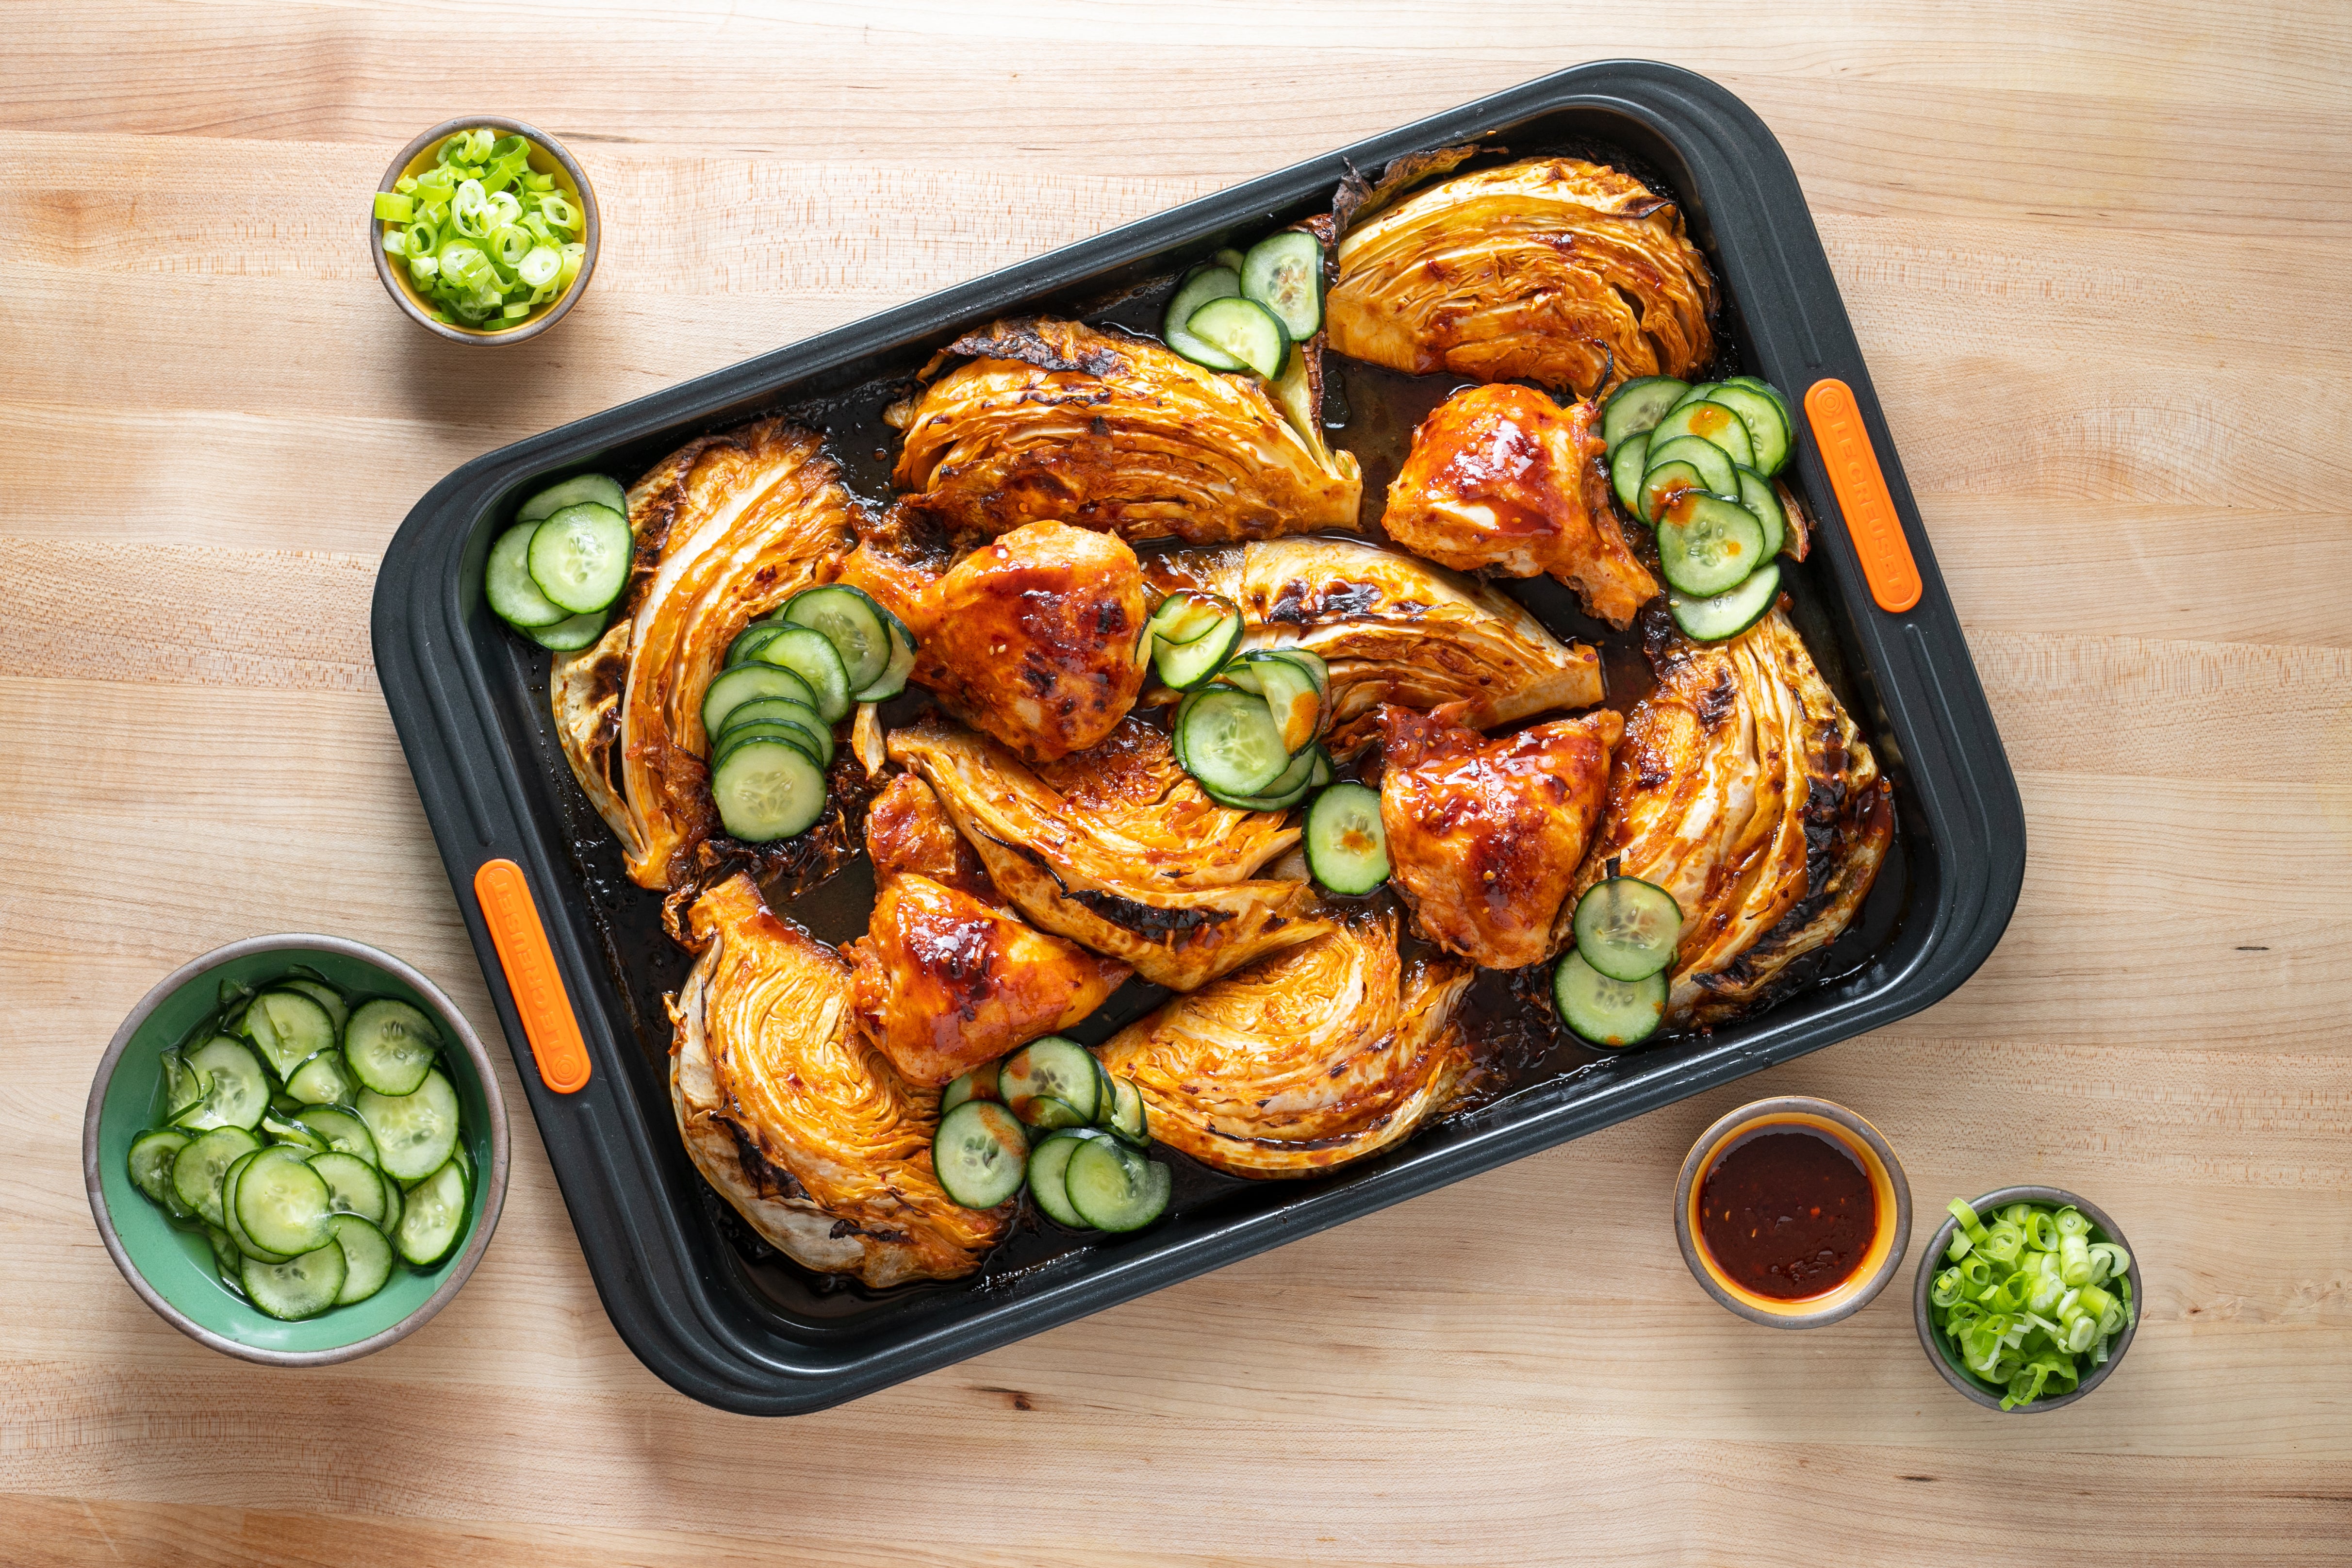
1716	473
750	683
1604	1011
226	1257
184	1086
1636	407
1186	617
980	1083
294	1134
337	1007
1112	1187
197	1170
354	1186
1186	665
1284	272
506	582
767	788
1229	258
1627	928
1711	422
289	1028
389	1045
1756	384
572	635
1757	494
344	1131
151	1156
1048	1163
579	556
812	656
1127	1114
1625	471
777	711
395	1204
1347	848
1767	426
1286	791
238	1091
413	1132
1228	740
748	644
1290	692
1244	328
281	1203
1045	1112
1708	543
980	1154
735	735
1203	285
580	488
852	622
434	1216
245	1246
324	1080
298	1288
1731	613
893	678
1052	1068
1695	392
367	1258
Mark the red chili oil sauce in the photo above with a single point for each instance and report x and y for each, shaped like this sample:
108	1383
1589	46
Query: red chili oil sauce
1788	1212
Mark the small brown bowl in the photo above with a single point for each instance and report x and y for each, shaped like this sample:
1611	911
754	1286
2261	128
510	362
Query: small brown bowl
1939	1349
1861	1139
549	157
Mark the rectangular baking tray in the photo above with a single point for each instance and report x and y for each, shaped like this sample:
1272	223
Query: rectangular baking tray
699	1298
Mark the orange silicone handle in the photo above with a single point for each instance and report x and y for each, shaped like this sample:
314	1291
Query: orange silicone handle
530	963
1861	486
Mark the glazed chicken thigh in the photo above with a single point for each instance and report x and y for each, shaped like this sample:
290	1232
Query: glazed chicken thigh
1485	835
1502	477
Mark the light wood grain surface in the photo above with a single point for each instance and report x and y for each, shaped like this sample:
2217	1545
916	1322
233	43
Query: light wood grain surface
2095	256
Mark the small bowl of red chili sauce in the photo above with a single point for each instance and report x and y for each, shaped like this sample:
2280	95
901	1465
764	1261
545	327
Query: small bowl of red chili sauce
1794	1213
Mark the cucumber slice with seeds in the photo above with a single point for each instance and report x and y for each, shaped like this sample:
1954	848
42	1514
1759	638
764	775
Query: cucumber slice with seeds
731	689
198	1169
324	1080
414	1132
1627	928
434	1216
1055	1069
981	1153
1114	1188
1716	473
1048	1164
1636	407
579	557
1286	791
1284	272
580	488
238	1091
281	1203
1126	1114
184	1086
1228	741
1755	494
298	1288
1708	543
151	1156
812	656
1347	847
343	1132
1200	285
1603	1011
353	1186
293	1134
1727	614
1290	693
1186	665
1767	426
507	583
1244	329
767	788
325	995
852	622
1710	422
367	1258
245	1246
390	1045
289	1028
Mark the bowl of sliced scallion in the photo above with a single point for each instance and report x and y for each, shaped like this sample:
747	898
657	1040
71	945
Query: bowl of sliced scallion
2027	1299
485	230
296	1149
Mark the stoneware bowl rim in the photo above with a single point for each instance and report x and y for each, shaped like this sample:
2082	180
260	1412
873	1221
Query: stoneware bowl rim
592	237
1850	1298
494	1190
1930	1342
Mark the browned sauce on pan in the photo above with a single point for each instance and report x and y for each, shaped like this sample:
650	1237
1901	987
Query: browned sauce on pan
1787	1213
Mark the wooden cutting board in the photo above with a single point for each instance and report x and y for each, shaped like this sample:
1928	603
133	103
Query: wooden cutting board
2096	257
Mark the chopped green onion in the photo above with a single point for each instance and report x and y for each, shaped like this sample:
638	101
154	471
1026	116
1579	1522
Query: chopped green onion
393	206
395	242
2030	1301
540	265
1946	1289
515	311
486	237
2074	1258
2070	1221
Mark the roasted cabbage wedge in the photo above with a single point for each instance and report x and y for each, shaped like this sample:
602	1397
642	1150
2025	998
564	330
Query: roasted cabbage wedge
1056	420
1485	835
1321	1053
1118	850
1502	478
810	1133
728	527
1571	275
1392	628
1743	788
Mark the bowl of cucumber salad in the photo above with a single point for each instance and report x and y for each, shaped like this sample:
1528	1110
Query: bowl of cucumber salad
296	1149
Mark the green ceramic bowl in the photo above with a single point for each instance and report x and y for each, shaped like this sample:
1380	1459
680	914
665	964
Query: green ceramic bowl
172	1269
